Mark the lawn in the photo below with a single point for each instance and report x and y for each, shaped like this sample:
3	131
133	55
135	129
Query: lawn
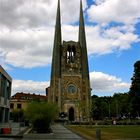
108	132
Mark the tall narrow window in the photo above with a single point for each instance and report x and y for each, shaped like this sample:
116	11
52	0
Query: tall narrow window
71	54
18	106
12	106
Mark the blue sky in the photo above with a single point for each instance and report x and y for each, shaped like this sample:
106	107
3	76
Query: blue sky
26	41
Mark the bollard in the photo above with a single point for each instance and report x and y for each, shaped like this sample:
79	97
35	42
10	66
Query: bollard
98	134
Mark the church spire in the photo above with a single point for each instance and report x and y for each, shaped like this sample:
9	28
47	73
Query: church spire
82	41
69	74
55	72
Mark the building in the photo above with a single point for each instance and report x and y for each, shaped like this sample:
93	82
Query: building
70	84
5	93
47	91
20	101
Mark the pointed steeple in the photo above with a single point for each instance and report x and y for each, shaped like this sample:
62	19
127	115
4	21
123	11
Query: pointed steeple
81	23
82	41
55	72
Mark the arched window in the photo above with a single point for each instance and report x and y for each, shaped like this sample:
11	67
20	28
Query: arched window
71	54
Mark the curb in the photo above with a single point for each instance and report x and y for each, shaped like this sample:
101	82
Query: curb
11	136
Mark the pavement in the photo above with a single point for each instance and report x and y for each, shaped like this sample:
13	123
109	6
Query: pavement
59	133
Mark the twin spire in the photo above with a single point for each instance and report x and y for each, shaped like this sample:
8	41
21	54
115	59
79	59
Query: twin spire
58	24
56	61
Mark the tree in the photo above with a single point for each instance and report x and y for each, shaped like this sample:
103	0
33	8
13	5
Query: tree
135	90
41	114
108	107
99	109
17	115
121	104
94	107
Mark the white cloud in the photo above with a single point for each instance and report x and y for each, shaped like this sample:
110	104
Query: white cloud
37	13
103	41
31	48
100	83
29	86
104	83
122	11
26	36
70	10
118	37
27	30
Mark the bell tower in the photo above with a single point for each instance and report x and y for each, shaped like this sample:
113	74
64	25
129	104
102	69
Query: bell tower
70	84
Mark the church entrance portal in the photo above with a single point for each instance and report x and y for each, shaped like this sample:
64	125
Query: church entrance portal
71	114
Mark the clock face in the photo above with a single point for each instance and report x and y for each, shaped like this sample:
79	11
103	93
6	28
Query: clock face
72	89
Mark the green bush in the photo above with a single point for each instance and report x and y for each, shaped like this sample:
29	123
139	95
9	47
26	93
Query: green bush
41	114
17	115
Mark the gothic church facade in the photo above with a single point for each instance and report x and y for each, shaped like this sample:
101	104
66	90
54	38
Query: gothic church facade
70	84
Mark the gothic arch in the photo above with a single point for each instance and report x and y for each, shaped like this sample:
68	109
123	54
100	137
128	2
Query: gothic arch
71	114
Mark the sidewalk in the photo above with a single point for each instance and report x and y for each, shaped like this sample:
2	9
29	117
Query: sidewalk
59	133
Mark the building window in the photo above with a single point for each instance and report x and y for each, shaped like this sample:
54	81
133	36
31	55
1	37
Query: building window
19	106
71	54
12	106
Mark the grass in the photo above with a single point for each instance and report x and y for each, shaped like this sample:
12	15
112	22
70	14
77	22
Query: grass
107	132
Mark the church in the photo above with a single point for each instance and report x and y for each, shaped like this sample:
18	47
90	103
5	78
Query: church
70	84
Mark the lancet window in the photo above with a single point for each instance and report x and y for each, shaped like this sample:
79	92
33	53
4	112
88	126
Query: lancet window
71	54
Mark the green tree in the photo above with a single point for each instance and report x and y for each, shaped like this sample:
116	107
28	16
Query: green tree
135	90
17	115
94	107
41	114
121	104
108	107
99	109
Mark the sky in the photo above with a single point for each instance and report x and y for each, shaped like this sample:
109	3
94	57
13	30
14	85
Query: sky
27	36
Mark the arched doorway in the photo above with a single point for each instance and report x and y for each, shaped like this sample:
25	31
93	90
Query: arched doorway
71	114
